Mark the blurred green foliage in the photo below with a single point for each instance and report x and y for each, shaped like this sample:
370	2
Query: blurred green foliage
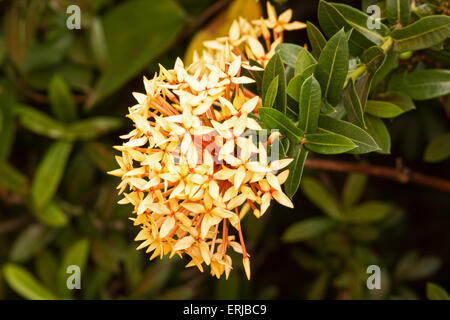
63	94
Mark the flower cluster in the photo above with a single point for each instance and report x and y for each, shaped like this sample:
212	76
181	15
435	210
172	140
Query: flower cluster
189	167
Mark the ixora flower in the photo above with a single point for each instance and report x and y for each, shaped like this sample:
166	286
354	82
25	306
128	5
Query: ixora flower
189	167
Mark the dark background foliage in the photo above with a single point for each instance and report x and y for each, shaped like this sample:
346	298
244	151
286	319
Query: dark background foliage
95	69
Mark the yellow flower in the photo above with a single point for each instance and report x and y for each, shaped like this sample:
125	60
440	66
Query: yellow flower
188	167
282	22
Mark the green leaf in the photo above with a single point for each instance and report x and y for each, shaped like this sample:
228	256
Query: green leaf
398	11
52	215
273	69
12	179
331	71
412	267
328	143
353	188
327	108
353	106
363	140
377	129
46	267
295	85
373	58
316	39
303	62
309	105
132	44
49	173
435	292
400	99
307	229
334	16
438	149
274	119
424	33
292	183
93	127
389	64
319	195
271	93
61	99
423	84
76	255
257	75
25	284
98	43
368	212
382	109
29	242
100	155
39	123
289	53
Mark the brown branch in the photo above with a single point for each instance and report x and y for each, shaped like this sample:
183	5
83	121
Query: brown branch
207	14
399	174
13	224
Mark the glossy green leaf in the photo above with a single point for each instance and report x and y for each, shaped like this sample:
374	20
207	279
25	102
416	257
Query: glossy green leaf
353	106
400	99
309	105
303	62
307	229
435	292
334	16
61	100
25	284
383	109
271	93
289	52
292	183
398	11
422	34
361	138
328	143
368	212
295	85
327	108
318	194
377	129
132	44
332	68
274	119
273	69
373	58
423	84
390	63
316	39
438	149
49	173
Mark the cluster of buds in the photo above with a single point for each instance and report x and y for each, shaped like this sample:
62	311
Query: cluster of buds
190	168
